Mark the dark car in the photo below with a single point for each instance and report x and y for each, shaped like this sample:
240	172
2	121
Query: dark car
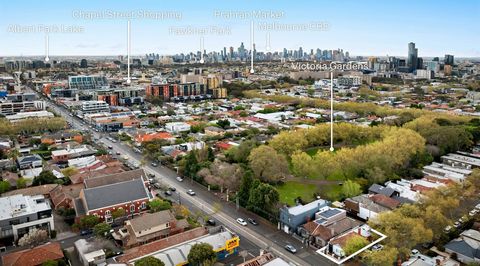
154	164
157	186
86	232
252	221
211	222
172	189
168	192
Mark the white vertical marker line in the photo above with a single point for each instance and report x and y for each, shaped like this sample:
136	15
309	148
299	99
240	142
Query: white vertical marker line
128	52
202	60
47	48
251	46
331	112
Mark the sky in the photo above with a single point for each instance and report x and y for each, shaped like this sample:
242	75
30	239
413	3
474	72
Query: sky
364	27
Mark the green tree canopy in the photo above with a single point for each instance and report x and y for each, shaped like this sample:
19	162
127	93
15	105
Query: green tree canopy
201	254
149	261
101	229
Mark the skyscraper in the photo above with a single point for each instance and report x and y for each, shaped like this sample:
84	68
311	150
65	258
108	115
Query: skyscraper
412	60
449	60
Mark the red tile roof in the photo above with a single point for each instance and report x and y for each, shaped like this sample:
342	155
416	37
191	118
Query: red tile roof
385	201
35	256
153	136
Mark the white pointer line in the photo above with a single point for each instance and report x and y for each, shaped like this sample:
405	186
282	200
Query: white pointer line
331	112
128	52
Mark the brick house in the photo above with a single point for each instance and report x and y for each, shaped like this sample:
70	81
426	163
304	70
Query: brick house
103	195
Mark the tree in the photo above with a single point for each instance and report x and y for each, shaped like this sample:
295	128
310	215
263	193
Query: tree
385	257
54	263
101	229
405	228
245	186
354	244
21	183
33	237
267	164
149	261
191	165
302	164
69	171
89	221
4	186
240	153
159	205
263	198
223	123
201	254
351	189
45	177
118	213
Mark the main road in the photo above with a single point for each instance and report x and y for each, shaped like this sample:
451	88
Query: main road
264	236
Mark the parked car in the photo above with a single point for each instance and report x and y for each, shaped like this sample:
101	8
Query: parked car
179	179
241	221
168	192
118	153
472	212
86	232
157	186
110	147
191	192
172	188
154	164
377	247
211	222
447	228
252	221
291	248
457	224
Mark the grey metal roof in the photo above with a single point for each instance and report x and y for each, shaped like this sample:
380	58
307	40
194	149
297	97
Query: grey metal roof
113	194
460	246
378	189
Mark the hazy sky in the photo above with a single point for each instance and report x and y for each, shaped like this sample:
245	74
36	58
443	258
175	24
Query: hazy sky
362	27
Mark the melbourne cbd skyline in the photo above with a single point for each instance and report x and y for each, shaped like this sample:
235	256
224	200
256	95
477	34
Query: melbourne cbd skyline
360	27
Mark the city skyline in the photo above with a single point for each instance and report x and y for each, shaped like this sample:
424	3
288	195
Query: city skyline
362	29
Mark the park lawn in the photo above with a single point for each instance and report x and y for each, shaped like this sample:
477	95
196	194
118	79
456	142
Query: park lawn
290	190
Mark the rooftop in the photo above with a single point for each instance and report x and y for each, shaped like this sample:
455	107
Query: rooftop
19	205
113	194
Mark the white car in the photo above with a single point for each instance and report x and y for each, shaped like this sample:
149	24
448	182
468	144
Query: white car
241	221
179	179
191	192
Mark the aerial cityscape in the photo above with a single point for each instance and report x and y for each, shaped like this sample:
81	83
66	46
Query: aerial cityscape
274	133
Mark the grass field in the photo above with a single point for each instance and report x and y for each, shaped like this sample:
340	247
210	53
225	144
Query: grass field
292	189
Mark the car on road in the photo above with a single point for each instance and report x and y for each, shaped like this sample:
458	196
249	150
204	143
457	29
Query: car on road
211	222
291	248
110	147
191	192
118	153
86	232
252	221
168	192
179	179
172	188
154	164
241	221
